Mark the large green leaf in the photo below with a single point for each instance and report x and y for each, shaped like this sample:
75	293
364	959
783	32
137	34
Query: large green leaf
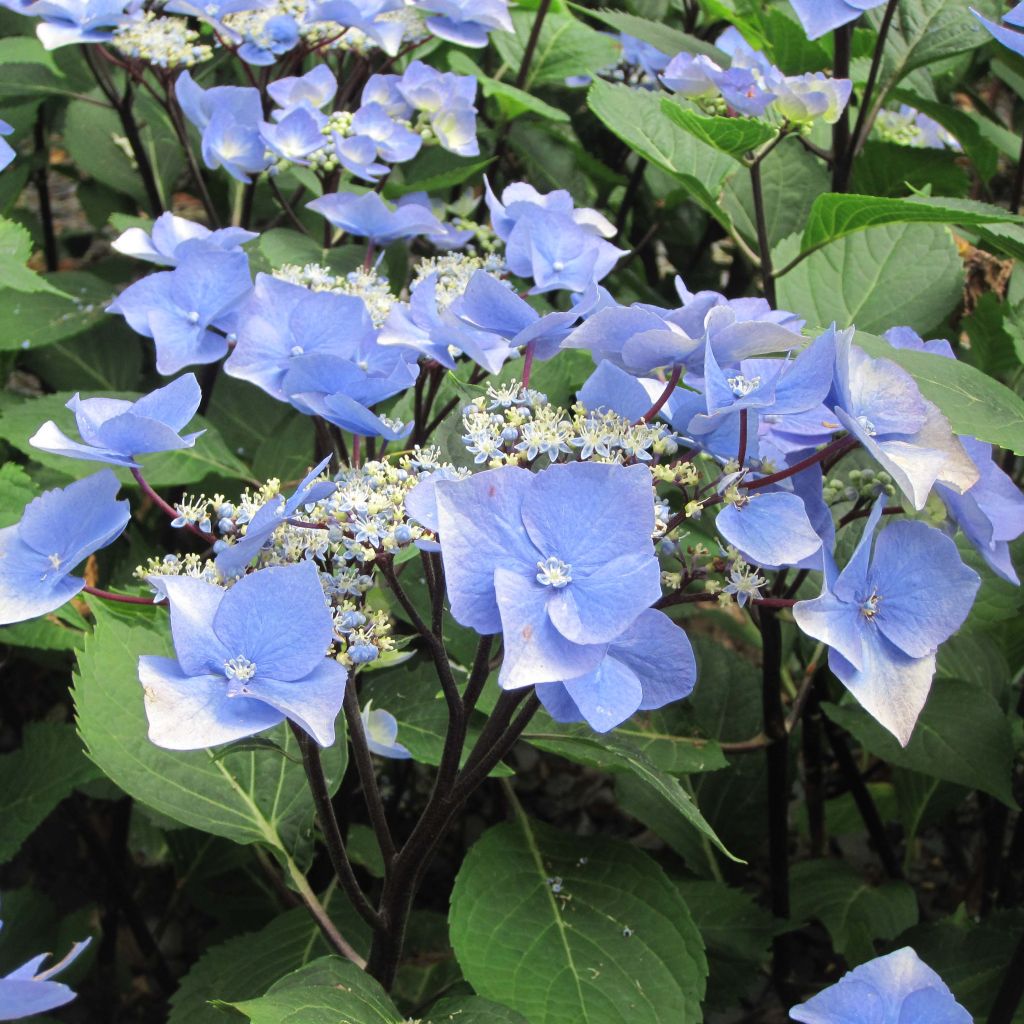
924	31
209	457
973	402
565	47
471	1010
735	136
563	928
73	303
250	796
835	216
896	274
245	966
327	991
854	912
45	769
636	117
962	736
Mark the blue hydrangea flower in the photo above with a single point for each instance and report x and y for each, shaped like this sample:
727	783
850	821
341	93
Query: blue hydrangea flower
381	728
278	35
169	233
7	151
245	659
188	311
694	76
771	529
233	559
880	404
116	431
898	988
58	531
804	98
28	989
643	55
491	305
990	512
80	21
547	239
295	135
447	99
280	325
369	216
466	22
228	118
522	558
630	678
316	89
419	324
821	16
364	15
1007	36
884	616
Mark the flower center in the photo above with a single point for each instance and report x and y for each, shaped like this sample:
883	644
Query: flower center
554	572
742	386
869	608
193	317
240	669
297	350
558	266
55	561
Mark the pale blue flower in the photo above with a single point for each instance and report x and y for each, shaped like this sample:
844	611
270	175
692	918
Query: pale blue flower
898	988
1007	36
7	151
29	989
650	665
188	311
58	531
381	728
885	615
560	562
466	22
316	89
245	659
170	233
369	216
80	21
821	16
116	431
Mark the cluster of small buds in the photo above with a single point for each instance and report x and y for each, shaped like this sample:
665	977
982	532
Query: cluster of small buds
453	270
362	635
166	42
364	283
192	564
858	485
511	425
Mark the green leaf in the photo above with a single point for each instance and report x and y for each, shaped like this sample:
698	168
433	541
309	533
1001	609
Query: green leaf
896	274
791	51
511	100
636	117
962	736
889	169
564	928
668	40
835	216
565	47
16	491
853	912
992	345
15	251
209	457
245	966
973	402
45	769
736	136
471	1010
327	991
737	936
27	50
924	31
72	303
252	797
